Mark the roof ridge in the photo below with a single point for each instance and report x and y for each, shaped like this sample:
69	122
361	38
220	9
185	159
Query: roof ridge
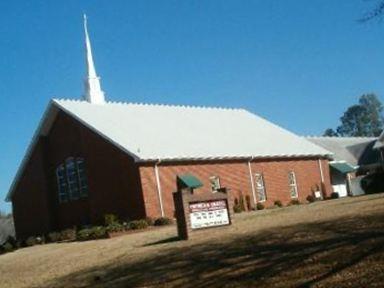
155	104
172	105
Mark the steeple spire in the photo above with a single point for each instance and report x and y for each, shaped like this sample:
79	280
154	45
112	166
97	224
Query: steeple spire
93	93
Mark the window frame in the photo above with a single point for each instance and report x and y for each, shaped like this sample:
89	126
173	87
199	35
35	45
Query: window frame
292	175
62	184
72	180
212	181
260	188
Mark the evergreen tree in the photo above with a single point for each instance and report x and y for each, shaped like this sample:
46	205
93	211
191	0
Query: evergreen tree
364	119
330	133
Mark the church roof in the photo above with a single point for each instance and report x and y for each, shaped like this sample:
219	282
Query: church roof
164	132
380	142
356	151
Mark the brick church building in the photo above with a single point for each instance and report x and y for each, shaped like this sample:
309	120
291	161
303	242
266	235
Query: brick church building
91	157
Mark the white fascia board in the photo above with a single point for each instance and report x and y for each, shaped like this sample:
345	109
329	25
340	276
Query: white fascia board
49	116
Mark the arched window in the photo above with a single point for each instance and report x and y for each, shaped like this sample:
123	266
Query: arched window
71	180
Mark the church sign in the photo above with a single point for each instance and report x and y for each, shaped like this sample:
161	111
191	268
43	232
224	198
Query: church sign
195	211
208	214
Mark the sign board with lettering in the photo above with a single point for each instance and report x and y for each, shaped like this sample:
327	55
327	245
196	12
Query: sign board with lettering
208	214
205	209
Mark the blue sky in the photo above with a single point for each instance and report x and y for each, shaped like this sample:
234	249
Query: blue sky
298	63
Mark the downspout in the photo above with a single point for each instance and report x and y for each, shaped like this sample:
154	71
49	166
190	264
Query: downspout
252	183
159	187
321	177
321	171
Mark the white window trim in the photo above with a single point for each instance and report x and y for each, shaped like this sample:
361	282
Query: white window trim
293	185
214	178
257	189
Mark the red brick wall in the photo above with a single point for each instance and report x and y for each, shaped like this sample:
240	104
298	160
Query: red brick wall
235	176
275	173
113	179
31	211
118	185
112	175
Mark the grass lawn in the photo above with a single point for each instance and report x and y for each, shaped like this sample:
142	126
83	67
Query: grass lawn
336	243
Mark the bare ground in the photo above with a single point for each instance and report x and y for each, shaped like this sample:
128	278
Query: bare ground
337	243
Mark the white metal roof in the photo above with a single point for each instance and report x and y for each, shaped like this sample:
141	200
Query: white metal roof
165	132
152	132
349	149
380	141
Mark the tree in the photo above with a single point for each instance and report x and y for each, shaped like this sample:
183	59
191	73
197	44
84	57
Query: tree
330	133
375	13
373	109
362	119
353	122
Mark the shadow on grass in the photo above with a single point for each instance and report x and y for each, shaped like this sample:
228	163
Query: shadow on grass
164	241
345	253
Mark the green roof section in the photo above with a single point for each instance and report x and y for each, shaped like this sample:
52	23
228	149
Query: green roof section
188	181
342	167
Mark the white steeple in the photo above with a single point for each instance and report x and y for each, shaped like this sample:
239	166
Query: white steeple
93	93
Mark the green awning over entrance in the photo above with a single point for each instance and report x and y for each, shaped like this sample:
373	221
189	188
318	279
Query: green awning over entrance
342	167
189	181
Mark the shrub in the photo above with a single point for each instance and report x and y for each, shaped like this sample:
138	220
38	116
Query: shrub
239	205
278	203
99	232
54	236
33	240
110	219
149	221
84	234
163	221
295	202
237	208
242	203
96	232
137	224
248	201
125	225
8	247
334	195
11	240
115	227
311	198
68	234
260	206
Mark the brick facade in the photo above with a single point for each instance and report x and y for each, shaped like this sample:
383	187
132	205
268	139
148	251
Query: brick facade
119	185
235	176
112	178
